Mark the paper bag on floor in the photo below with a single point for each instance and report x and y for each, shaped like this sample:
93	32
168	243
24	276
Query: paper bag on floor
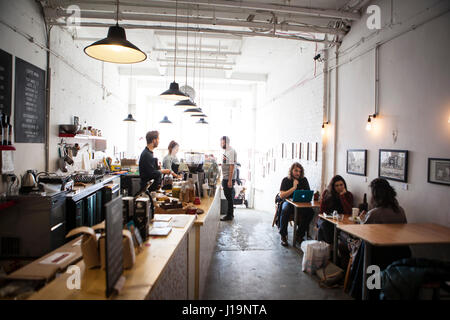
315	255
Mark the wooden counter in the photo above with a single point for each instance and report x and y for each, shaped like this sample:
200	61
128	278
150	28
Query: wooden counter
161	271
205	231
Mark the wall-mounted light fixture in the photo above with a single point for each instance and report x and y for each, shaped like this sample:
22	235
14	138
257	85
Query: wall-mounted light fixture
202	121
323	126
369	121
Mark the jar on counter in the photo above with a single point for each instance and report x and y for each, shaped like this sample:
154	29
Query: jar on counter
176	190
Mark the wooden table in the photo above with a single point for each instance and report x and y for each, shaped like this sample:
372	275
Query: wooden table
395	235
335	223
299	205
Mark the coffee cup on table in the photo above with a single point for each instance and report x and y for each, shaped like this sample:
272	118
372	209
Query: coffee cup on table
355	212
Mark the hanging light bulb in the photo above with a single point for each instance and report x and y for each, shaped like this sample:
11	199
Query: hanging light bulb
165	120
369	121
129	118
115	47
174	93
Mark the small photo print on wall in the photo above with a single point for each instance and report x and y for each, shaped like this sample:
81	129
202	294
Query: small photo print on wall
357	161
308	150
439	171
393	164
293	151
301	151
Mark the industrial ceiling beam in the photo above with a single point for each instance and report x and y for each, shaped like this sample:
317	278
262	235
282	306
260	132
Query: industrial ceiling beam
272	7
206	30
204	21
206	52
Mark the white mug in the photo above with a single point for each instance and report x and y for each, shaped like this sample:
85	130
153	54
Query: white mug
355	212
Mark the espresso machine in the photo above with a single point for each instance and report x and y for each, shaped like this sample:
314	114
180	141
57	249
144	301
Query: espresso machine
195	161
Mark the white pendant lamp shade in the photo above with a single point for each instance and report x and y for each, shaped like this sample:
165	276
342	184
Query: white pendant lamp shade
115	48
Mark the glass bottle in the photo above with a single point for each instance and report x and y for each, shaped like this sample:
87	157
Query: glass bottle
2	129
9	127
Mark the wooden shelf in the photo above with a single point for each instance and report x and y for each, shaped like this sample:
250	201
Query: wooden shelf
6	148
80	136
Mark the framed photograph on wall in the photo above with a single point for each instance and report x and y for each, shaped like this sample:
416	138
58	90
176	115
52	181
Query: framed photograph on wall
308	150
439	171
357	162
301	151
293	151
393	164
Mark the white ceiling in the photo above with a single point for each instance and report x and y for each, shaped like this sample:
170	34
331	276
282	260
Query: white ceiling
225	56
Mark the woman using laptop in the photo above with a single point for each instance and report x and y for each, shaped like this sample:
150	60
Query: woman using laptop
294	181
335	197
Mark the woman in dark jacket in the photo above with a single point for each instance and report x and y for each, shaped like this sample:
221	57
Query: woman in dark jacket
294	181
335	197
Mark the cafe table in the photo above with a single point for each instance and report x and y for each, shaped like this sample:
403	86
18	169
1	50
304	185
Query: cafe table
390	235
297	206
345	220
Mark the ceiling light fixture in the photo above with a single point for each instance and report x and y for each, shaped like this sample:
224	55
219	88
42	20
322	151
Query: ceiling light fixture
202	121
187	103
174	93
165	120
115	47
192	111
129	118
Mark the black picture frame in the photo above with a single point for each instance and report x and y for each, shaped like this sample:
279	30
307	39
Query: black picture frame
442	160
394	162
364	152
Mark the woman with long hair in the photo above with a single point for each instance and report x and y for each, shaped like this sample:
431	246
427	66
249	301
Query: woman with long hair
385	207
171	161
335	197
294	181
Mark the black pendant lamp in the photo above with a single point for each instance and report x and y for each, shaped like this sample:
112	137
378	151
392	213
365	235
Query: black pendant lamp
115	47
192	111
174	92
186	104
129	118
202	121
165	120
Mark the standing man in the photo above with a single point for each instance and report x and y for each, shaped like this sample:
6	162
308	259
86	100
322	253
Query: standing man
148	164
228	175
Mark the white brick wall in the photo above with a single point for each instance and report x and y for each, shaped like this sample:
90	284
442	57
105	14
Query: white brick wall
291	113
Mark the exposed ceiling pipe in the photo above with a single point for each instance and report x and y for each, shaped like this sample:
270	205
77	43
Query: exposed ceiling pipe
273	7
206	30
205	21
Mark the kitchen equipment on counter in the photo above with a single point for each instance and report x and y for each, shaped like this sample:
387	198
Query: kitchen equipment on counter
194	161
65	182
87	178
69	128
29	183
167	182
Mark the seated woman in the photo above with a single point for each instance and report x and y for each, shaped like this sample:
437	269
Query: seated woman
335	197
386	209
294	181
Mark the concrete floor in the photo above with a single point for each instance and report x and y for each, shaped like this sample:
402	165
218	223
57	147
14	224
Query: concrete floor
250	263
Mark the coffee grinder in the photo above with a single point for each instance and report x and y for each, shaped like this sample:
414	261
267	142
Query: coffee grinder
194	161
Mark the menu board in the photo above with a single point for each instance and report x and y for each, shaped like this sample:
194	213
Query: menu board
5	82
29	103
113	244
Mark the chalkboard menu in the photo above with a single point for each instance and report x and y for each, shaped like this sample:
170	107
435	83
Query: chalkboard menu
113	244
29	103
5	82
